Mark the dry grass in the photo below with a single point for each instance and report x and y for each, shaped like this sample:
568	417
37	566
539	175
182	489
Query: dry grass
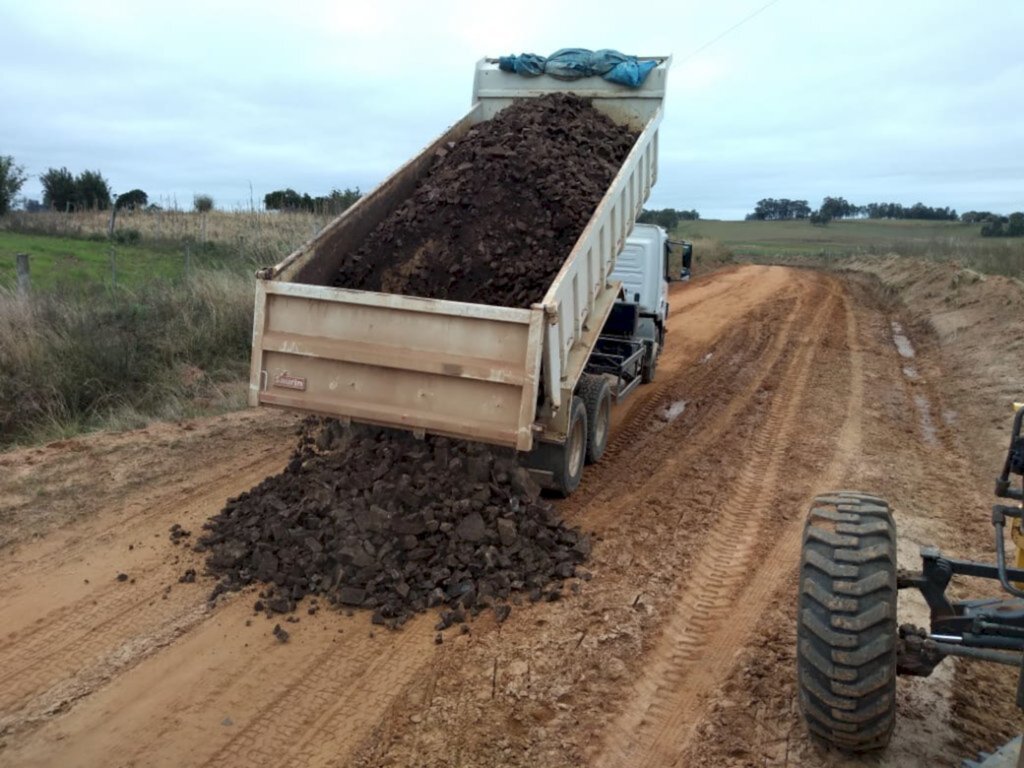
259	237
102	357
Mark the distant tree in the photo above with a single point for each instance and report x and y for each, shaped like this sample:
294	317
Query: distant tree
338	201
819	219
132	200
836	208
1015	225
33	206
1004	226
668	218
993	228
284	200
915	211
772	209
92	192
59	190
290	200
12	177
203	204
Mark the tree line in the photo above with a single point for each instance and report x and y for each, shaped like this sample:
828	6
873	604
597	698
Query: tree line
666	218
89	191
332	204
831	208
1003	226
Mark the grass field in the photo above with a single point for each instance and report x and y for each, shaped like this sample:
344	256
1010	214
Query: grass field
64	263
786	240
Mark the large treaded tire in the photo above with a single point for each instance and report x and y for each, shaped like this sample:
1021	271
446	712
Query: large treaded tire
597	399
846	621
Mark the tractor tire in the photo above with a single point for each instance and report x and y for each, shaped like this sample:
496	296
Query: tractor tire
597	399
846	621
650	364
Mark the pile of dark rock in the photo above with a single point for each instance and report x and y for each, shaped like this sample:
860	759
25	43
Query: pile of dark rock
377	519
497	215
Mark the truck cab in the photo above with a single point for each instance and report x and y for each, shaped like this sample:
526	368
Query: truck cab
634	333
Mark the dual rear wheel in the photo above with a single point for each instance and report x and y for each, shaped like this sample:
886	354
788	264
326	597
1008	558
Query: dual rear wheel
586	437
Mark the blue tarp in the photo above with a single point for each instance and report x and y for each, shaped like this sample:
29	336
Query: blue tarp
574	63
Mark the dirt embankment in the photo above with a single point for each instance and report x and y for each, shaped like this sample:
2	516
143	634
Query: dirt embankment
495	217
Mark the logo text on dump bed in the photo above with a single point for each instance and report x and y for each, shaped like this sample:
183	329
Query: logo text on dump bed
287	381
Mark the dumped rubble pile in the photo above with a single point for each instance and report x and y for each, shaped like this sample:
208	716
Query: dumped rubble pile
498	213
373	518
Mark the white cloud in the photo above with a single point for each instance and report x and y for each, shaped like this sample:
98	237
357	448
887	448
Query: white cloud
911	100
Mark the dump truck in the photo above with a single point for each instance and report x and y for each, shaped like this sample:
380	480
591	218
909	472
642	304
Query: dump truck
540	380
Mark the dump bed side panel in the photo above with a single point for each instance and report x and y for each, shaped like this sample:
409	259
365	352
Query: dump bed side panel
582	294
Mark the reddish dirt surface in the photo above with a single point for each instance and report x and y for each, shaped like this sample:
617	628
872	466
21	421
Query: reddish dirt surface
776	384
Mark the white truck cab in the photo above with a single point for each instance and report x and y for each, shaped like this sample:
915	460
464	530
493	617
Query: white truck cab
641	268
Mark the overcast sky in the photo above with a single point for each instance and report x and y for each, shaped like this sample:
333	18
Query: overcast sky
900	100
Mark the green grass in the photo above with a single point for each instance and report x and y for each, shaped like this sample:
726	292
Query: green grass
785	240
58	263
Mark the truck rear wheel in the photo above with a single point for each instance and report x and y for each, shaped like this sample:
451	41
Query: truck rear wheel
650	364
846	621
568	462
597	399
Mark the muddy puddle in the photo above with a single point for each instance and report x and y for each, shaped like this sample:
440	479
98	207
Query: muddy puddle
910	372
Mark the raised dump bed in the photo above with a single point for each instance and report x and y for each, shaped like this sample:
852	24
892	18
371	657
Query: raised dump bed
497	374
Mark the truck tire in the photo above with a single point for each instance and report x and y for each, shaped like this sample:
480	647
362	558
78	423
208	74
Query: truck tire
597	399
650	365
567	469
846	621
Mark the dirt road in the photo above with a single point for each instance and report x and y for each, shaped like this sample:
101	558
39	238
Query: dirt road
776	384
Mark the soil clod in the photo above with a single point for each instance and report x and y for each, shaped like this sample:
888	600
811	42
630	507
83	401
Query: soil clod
498	213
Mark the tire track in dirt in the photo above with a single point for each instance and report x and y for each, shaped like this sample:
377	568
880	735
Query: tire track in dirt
74	649
635	446
783	556
700	639
340	695
762	346
207	483
873	444
79	635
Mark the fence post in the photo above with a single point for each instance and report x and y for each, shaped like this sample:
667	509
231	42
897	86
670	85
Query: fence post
24	281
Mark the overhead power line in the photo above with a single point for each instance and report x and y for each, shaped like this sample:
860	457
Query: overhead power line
731	29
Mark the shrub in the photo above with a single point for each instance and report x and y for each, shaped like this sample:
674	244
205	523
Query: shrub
127	236
12	177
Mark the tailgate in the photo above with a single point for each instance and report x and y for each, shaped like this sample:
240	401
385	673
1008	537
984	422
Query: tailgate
463	370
